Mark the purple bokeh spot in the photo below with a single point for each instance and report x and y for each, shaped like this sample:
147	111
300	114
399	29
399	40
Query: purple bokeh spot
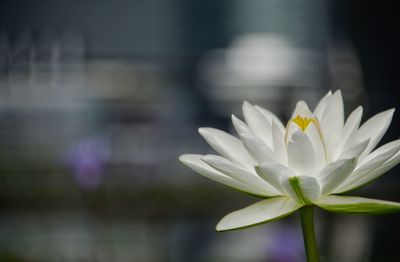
86	159
287	246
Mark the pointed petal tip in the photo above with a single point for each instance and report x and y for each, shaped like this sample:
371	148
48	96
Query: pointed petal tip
338	95
235	119
202	130
302	109
246	108
245	104
391	111
220	227
338	92
182	158
301	103
205	131
188	158
327	95
358	110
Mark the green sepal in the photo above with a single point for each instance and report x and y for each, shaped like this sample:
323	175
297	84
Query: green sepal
357	205
295	183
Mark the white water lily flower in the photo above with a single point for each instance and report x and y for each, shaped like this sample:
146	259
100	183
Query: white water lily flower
316	156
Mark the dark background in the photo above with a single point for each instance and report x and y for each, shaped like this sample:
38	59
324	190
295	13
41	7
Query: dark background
99	98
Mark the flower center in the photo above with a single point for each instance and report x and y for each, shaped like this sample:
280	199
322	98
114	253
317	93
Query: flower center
303	122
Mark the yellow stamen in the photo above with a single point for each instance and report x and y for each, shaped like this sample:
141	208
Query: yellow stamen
303	122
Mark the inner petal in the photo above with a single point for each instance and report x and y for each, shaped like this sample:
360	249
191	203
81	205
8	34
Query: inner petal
301	156
309	125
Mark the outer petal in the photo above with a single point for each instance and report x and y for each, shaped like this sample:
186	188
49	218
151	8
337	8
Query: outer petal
258	124
335	173
304	189
301	154
240	126
319	109
357	205
227	146
385	151
374	129
354	150
271	117
255	146
350	128
230	169
332	121
275	174
261	212
194	162
372	166
389	164
258	149
279	143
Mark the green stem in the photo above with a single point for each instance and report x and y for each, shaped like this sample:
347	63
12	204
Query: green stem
307	224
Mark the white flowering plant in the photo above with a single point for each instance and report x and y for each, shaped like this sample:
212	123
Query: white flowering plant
311	161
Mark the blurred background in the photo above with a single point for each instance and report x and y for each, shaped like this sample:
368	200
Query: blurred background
99	98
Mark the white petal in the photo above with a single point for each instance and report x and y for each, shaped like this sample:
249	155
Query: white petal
365	169
194	162
308	188
331	122
244	176
258	124
278	139
318	146
302	110
335	173
374	129
350	128
258	213
227	146
301	154
354	151
357	205
319	109
271	117
240	126
258	149
275	174
389	164
385	151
